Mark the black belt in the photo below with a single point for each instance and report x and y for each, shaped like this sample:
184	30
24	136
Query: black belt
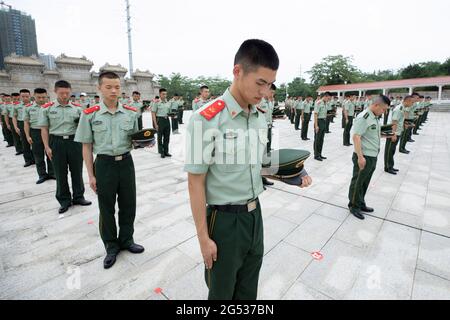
114	158
237	208
165	118
68	137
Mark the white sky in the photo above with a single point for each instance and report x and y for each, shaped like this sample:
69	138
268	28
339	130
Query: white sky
200	37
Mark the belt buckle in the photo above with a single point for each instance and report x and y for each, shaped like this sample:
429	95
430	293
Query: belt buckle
66	137
118	158
251	206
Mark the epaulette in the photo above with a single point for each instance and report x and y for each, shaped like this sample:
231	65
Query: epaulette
366	116
129	108
260	110
76	104
91	110
211	111
45	106
28	105
16	103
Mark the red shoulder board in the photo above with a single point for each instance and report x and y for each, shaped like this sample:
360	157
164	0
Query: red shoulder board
196	100
129	108
91	110
28	105
16	103
260	110
45	106
76	104
212	110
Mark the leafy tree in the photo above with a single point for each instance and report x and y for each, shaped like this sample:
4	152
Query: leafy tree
334	70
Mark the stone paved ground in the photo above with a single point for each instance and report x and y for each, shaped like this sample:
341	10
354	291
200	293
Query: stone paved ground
402	251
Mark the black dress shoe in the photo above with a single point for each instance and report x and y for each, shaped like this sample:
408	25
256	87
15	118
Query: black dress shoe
19	153
63	209
10	145
168	155
109	261
307	139
404	151
28	164
411	140
82	202
416	134
396	170
391	172
163	156
367	209
318	158
41	180
323	158
135	248
357	213
267	182
51	177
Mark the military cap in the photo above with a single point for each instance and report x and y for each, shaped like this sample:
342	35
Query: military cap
387	130
286	165
144	138
409	121
278	113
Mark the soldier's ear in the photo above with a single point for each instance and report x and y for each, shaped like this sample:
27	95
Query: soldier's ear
237	70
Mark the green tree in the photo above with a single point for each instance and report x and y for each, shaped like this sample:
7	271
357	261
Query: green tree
334	70
299	87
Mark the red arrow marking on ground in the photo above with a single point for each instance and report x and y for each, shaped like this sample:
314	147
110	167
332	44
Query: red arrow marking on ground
317	256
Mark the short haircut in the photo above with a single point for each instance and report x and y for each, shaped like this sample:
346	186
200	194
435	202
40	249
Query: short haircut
63	84
73	96
256	53
6	95
40	91
176	95
96	97
327	94
157	97
203	88
382	99
273	87
15	94
24	91
415	94
136	92
107	75
408	97
162	90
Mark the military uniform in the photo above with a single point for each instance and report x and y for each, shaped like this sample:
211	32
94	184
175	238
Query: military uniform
138	105
9	112
162	109
198	103
31	115
18	113
266	107
174	119
233	184
350	108
110	135
368	127
306	111
84	104
398	115
62	122
407	133
7	134
321	109
180	111
298	113
329	117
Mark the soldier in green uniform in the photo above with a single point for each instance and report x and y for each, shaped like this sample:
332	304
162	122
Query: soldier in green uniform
7	133
106	130
174	111
17	119
349	113
330	107
96	100
419	115
137	103
58	121
320	125
366	138
298	112
410	118
84	101
306	117
397	121
265	107
33	136
180	110
160	111
124	99
225	143
9	115
202	100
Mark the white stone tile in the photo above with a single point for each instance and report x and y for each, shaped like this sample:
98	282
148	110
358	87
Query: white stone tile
430	287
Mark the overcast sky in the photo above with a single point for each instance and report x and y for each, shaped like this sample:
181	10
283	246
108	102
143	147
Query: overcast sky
200	37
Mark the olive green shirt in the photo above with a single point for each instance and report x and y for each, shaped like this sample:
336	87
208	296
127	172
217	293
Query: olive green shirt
61	120
266	106
321	109
18	111
162	108
138	105
298	105
368	127
350	108
411	110
307	107
197	105
398	115
8	110
228	149
109	133
31	114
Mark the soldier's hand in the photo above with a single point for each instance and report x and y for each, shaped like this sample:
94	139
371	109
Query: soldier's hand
157	128
93	184
317	129
394	138
49	153
9	127
30	141
306	182
209	252
17	130
361	163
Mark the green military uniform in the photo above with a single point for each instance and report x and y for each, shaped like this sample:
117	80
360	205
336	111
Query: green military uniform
19	114
266	107
306	111
110	135
138	105
9	112
174	119
31	115
62	122
233	183
420	112
350	108
7	134
162	109
407	134
298	112
84	104
180	111
198	103
398	115
328	120
321	109
368	127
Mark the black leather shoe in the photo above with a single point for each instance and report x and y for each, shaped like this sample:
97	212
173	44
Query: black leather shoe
163	156
10	145
28	164
411	140
318	158
367	209
307	139
19	153
41	180
267	182
135	248
357	213
391	171
416	134
109	261
323	158
168	155
404	151
63	209
82	202
51	177
396	170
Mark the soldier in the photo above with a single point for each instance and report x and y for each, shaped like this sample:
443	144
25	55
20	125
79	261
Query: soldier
15	131
160	111
349	113
58	121
306	116
273	90
420	112
320	125
124	99
224	194
202	100
7	133
84	101
366	137
409	124
174	111
73	98
397	121
180	110
292	110
17	120
106	130
330	107
298	112
265	107
96	100
138	105
368	101
33	136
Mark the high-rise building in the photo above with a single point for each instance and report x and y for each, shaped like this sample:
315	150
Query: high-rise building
17	34
48	60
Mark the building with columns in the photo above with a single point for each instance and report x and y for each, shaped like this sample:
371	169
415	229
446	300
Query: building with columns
30	72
